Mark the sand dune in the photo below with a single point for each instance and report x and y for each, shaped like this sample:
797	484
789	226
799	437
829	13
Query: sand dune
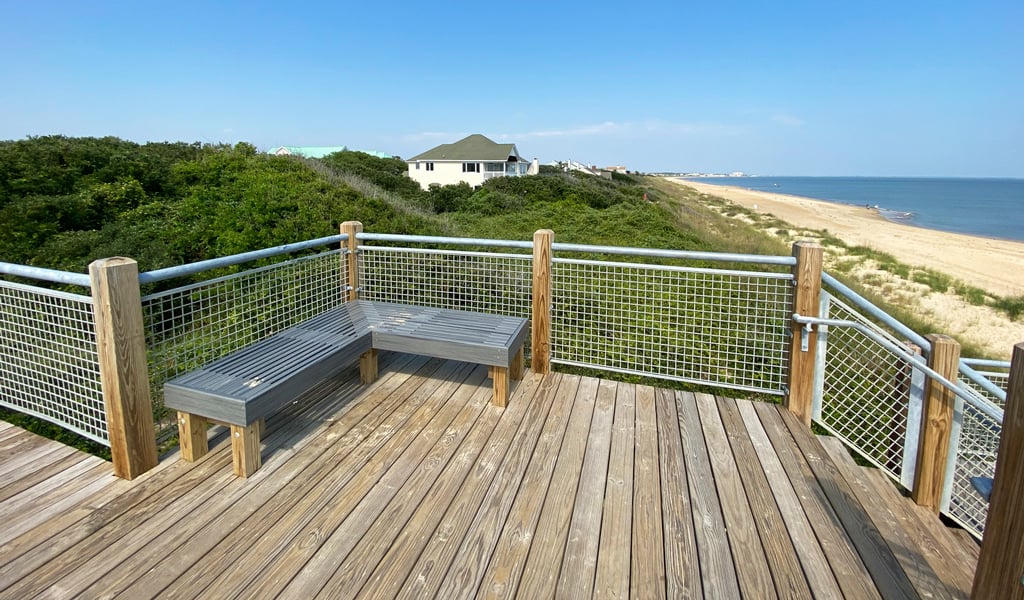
996	266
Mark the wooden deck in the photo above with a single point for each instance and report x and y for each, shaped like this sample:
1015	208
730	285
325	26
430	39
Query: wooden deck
417	487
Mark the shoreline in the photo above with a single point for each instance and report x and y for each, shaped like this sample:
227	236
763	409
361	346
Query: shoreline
992	264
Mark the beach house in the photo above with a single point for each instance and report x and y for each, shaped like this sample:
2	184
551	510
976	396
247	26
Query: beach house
473	159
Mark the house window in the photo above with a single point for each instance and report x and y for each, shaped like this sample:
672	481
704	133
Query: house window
430	166
494	167
470	167
417	166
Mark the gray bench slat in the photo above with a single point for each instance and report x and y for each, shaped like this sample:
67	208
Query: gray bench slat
451	334
255	381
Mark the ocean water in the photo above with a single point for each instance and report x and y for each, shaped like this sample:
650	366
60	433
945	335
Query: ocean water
985	207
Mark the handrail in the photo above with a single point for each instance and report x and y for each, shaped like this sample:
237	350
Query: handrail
785	261
234	259
650	267
884	317
876	312
42	274
983	381
984	362
431	239
919	362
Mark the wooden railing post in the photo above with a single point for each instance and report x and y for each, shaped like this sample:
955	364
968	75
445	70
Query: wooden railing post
351	228
124	376
806	302
1000	572
936	423
541	325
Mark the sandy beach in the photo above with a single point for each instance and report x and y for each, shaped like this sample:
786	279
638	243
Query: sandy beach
996	266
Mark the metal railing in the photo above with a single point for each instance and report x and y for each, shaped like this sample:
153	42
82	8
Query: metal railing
50	368
709	326
700	318
869	392
190	326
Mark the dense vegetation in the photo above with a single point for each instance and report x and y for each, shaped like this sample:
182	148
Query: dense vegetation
68	201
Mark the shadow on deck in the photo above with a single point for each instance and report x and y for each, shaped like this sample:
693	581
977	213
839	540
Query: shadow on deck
417	487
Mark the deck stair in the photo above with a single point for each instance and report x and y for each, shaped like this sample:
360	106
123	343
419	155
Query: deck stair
940	561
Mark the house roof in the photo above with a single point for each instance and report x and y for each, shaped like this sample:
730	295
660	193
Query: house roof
473	147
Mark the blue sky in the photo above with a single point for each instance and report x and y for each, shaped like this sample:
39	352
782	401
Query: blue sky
798	88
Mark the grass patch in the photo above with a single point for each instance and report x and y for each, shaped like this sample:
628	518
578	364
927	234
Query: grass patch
1013	307
54	432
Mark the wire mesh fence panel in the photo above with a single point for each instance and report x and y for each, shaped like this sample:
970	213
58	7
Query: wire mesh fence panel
975	457
709	327
485	282
48	359
191	326
866	394
1001	379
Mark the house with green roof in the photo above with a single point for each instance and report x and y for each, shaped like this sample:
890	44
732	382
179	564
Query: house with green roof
473	159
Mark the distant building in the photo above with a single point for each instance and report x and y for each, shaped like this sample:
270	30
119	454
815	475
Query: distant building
572	165
473	159
319	151
617	169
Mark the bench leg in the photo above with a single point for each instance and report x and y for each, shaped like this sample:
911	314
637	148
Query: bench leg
192	436
500	377
515	370
245	448
368	366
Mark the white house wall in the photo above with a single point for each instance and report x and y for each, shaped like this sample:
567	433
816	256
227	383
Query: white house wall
444	173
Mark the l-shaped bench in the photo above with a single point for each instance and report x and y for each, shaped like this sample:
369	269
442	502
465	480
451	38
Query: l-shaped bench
243	388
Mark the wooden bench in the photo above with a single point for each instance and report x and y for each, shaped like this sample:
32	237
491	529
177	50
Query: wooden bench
243	388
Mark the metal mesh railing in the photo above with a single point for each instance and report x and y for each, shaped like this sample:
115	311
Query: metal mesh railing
487	282
48	352
704	326
194	325
1000	378
872	397
976	451
865	391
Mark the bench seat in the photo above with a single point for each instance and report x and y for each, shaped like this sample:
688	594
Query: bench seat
243	388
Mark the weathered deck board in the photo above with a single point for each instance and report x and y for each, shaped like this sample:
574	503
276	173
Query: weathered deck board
718	575
541	573
891	580
415	486
682	573
579	563
747	552
847	567
883	512
612	579
815	566
647	579
783	563
501	580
